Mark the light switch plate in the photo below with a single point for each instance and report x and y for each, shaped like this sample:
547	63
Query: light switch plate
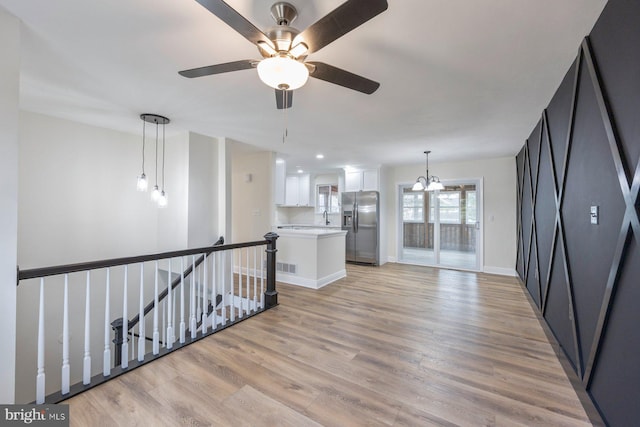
594	214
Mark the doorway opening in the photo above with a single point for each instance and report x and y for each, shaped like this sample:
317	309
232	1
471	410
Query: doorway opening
441	228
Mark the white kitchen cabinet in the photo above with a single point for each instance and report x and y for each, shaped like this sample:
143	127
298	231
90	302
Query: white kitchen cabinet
361	180
298	190
370	180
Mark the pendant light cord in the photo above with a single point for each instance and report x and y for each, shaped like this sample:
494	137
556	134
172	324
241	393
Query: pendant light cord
163	150
285	98
156	153
144	126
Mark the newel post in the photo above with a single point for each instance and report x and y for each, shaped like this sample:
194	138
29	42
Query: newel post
117	326
271	295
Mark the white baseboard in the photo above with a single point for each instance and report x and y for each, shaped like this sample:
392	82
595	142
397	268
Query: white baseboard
499	270
391	259
310	283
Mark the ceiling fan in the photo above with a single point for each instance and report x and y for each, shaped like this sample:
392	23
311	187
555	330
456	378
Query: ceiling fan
284	49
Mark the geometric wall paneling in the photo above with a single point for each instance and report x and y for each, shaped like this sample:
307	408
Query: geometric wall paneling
545	211
557	309
617	367
557	115
591	180
611	235
533	270
614	42
520	186
585	151
526	214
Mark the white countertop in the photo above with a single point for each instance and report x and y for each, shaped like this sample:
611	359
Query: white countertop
310	232
322	226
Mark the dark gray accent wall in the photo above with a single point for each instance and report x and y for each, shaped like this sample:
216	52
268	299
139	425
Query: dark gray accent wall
585	151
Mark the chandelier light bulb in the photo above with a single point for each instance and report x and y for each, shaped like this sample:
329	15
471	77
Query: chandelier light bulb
142	183
155	194
162	200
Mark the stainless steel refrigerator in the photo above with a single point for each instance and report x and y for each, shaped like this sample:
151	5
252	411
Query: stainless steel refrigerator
360	213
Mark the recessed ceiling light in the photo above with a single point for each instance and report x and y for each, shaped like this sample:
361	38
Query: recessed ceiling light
300	171
319	156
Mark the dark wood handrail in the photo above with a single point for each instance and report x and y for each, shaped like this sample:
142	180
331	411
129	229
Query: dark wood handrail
35	273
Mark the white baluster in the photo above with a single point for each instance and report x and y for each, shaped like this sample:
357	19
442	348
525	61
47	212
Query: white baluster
133	345
124	359
40	377
214	292
106	360
163	341
86	367
232	307
255	278
240	282
223	312
248	282
182	324
262	268
173	314
156	334
205	308
170	337
198	281
66	370
193	324
141	331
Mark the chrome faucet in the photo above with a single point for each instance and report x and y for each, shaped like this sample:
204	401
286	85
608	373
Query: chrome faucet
325	215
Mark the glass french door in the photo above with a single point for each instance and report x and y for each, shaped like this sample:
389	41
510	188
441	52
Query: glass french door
441	228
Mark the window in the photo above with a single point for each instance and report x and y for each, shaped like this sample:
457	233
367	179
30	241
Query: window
470	207
449	207
327	199
413	206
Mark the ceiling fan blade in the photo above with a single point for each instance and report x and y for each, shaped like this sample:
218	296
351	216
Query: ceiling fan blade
244	64
236	21
337	76
284	99
349	15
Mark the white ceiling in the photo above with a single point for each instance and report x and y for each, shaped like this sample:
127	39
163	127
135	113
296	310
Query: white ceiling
463	78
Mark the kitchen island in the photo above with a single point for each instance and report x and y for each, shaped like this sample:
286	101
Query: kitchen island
310	257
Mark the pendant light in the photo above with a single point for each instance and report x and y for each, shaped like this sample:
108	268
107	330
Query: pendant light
427	183
156	195
143	184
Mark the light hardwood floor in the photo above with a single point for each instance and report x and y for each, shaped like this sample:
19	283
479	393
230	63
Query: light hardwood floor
394	345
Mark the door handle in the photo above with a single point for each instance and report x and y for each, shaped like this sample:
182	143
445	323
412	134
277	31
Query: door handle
355	217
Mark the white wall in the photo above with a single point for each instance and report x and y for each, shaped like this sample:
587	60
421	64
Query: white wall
252	201
499	216
9	101
78	199
173	220
203	191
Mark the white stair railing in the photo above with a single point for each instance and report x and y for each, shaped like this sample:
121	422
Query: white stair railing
218	281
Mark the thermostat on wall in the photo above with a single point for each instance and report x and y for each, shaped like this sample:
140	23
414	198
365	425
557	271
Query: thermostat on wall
594	214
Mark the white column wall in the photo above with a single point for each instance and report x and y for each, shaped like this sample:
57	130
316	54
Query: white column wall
9	101
203	191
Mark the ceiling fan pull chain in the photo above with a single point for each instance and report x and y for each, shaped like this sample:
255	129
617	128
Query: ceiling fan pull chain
285	100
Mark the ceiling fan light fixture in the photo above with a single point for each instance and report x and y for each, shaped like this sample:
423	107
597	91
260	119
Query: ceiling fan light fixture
283	72
267	48
299	50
